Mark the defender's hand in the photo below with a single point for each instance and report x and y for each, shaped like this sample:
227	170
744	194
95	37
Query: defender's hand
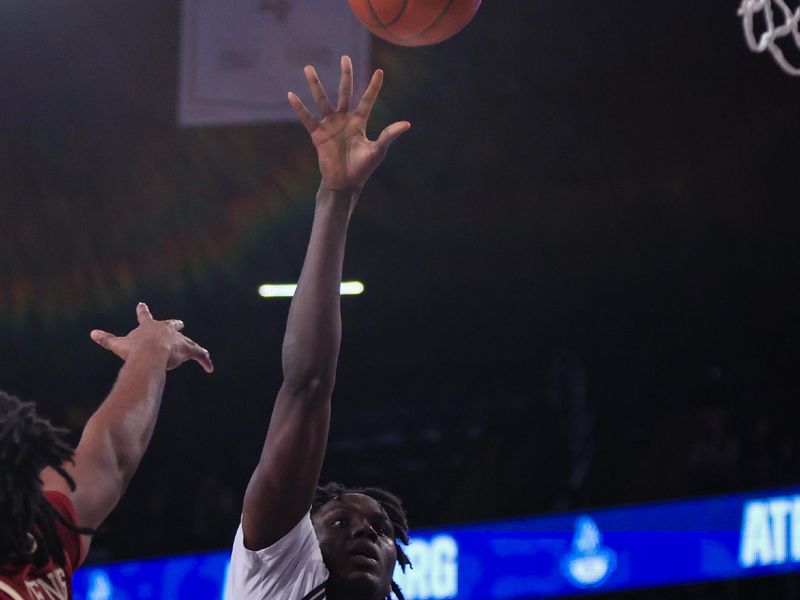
165	334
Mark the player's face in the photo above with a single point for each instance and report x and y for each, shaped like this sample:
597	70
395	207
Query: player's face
356	538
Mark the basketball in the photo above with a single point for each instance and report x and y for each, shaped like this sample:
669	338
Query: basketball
414	22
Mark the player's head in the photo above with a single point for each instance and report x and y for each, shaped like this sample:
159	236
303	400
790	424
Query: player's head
360	531
28	444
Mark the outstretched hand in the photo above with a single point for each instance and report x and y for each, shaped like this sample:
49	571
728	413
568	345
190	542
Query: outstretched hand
346	157
160	333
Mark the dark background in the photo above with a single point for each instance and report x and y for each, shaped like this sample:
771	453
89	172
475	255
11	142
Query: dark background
581	263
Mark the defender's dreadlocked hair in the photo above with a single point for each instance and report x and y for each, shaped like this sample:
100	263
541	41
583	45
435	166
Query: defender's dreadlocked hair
388	501
28	444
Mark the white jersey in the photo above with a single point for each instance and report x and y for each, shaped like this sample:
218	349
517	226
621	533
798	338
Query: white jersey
289	569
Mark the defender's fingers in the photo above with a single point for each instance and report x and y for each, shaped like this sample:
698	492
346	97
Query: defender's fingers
309	121
143	313
204	360
104	339
317	91
345	84
201	355
364	107
392	132
177	324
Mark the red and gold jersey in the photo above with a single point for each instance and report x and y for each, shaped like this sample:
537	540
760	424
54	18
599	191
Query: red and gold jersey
50	582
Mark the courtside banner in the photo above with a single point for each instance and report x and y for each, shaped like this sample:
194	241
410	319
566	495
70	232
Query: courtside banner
239	58
580	553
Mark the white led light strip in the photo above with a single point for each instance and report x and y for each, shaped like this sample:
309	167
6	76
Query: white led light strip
286	290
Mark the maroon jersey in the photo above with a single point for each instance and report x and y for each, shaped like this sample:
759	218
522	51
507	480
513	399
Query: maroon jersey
50	582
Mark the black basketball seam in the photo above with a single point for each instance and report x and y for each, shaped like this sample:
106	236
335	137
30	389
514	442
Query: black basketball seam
393	21
432	25
380	23
400	14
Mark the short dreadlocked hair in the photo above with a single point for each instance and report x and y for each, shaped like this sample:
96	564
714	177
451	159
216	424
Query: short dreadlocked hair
388	501
28	444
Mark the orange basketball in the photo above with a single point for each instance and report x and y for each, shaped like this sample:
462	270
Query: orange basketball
414	22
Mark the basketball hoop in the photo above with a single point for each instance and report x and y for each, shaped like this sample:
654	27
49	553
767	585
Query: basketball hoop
780	22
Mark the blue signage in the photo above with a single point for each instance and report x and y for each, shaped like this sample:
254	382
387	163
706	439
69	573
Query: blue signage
562	555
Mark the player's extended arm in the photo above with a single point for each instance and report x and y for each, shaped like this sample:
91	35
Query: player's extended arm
282	486
117	434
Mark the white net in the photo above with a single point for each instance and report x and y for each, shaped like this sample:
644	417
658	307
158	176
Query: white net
780	31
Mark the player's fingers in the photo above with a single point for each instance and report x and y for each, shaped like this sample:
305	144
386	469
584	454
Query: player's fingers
391	133
143	313
197	353
177	324
317	91
345	84
204	359
367	101
104	339
309	121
